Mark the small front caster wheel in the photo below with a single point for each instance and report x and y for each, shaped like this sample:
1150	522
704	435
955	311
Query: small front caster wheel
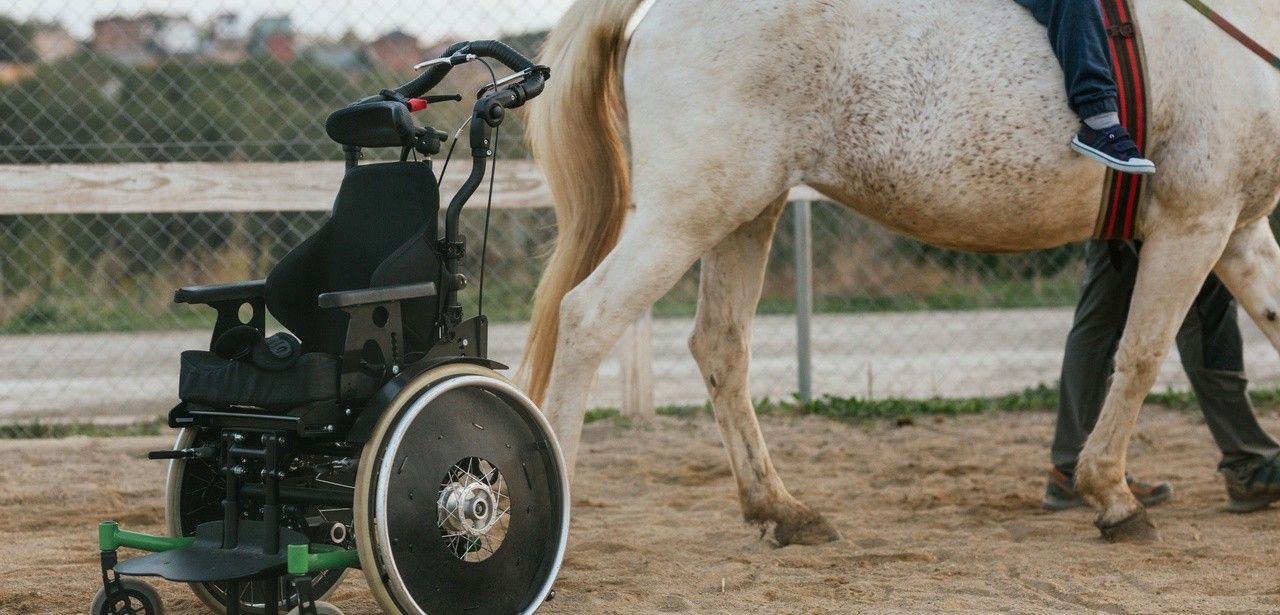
139	599
322	608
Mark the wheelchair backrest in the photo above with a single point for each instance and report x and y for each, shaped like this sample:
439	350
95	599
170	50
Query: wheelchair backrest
381	232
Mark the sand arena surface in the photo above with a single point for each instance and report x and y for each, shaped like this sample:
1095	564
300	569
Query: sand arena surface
939	516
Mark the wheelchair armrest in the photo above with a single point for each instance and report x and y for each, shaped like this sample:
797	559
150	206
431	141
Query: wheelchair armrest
375	318
381	294
216	293
227	299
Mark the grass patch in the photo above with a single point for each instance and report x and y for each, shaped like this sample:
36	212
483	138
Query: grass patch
38	429
1041	398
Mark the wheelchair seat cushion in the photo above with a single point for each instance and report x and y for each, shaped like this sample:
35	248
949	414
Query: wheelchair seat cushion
208	379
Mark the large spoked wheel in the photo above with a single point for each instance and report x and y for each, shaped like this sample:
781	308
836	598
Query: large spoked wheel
462	501
193	495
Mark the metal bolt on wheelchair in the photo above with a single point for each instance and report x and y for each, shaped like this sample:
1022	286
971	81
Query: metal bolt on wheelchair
375	433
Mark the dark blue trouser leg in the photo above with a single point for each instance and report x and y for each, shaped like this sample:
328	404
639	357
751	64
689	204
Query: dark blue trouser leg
1079	39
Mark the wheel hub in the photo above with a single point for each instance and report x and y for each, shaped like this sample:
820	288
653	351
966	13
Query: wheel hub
472	505
467	509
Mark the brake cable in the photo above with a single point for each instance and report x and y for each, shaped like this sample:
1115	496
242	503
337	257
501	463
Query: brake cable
493	170
488	208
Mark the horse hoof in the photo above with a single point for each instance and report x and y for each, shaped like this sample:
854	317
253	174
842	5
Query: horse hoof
1136	528
807	528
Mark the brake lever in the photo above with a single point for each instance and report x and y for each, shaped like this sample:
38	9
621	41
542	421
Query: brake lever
453	60
494	85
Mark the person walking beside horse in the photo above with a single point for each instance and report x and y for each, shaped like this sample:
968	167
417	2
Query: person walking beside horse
1209	341
1212	354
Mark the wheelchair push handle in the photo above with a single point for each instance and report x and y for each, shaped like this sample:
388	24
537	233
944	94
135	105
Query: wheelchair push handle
534	76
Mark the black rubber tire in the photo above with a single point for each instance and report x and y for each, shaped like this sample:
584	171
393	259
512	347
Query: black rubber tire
141	596
322	608
455	413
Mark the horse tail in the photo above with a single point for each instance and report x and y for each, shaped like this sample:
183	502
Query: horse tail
575	132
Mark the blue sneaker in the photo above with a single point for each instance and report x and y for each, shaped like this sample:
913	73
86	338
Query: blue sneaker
1113	147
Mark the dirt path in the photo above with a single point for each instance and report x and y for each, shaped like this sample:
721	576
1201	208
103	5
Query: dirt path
941	516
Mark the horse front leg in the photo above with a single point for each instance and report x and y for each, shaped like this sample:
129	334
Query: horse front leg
1171	271
729	289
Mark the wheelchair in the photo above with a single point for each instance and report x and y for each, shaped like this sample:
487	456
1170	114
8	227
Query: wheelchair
375	433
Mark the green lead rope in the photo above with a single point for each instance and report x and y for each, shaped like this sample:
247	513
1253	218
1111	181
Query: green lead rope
1235	32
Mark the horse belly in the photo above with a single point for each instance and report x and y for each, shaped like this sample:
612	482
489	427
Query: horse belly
950	125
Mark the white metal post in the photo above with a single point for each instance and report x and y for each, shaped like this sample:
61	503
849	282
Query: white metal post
636	358
804	298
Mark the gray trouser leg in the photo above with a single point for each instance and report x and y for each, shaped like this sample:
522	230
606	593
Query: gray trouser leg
1091	347
1212	354
1209	343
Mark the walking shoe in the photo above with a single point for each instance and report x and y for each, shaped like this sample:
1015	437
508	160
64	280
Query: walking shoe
1113	147
1061	494
1253	487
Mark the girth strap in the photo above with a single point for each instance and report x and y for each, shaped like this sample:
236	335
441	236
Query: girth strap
1123	193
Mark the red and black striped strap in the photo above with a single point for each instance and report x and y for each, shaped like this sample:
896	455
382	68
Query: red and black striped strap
1122	193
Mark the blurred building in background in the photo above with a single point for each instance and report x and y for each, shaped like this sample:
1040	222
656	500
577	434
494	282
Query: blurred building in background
398	51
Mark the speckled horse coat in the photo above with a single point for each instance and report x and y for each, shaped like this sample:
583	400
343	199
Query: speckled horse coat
944	121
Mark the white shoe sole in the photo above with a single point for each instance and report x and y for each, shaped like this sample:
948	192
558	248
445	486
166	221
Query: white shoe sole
1138	166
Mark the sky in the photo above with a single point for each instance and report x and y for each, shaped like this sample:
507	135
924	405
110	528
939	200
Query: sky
429	19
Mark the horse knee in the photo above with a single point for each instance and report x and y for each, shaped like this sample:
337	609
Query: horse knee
717	350
1137	369
582	335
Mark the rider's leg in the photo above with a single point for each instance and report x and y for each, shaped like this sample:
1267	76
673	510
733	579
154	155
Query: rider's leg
1079	39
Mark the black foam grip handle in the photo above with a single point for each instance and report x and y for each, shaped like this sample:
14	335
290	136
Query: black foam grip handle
497	50
501	52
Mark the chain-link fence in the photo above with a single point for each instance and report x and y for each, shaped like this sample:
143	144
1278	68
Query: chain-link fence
87	327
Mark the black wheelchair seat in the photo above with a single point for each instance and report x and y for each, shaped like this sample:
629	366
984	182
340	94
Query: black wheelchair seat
379	235
208	379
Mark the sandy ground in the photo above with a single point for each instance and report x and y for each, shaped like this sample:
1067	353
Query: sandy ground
939	516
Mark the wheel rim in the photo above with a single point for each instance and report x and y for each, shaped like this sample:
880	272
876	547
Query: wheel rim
195	489
478	452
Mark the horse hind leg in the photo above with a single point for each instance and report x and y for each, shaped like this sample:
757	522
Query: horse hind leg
729	289
1250	269
648	260
680	214
1172	269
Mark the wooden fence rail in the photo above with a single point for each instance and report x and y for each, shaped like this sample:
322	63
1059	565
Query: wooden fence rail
193	187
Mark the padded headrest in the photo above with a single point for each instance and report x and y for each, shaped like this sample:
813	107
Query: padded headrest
384	123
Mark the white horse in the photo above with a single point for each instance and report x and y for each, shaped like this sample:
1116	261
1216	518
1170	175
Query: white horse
943	120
